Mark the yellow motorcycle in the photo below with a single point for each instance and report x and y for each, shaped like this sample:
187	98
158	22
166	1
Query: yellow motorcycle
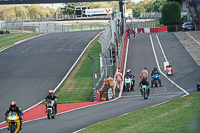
13	122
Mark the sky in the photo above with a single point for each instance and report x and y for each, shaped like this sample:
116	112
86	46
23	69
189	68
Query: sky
55	6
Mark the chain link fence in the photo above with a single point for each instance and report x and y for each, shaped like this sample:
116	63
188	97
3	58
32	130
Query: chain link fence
28	27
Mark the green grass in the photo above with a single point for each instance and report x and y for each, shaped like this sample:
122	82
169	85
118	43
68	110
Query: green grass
176	116
9	39
78	86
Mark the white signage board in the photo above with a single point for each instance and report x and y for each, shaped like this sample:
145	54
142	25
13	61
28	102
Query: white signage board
98	11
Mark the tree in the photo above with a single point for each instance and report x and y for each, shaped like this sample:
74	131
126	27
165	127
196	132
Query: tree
37	11
8	13
50	12
2	7
18	12
171	13
155	6
137	10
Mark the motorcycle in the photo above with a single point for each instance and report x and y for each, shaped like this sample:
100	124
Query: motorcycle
51	111
155	80
13	122
145	91
127	84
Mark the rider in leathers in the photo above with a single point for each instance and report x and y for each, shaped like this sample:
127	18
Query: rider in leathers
132	76
51	96
154	72
144	82
14	108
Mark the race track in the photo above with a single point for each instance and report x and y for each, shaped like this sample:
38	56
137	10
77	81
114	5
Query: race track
140	54
28	70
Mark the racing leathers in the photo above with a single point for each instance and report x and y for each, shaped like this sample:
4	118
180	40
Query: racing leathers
144	82
132	76
52	97
155	72
18	111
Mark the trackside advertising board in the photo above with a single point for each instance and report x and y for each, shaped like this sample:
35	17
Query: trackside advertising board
98	11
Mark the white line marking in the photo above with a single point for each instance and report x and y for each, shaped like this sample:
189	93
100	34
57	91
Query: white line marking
16	43
193	38
160	69
161	48
61	80
120	94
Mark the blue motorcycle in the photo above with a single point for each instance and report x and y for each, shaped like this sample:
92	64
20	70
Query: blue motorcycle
155	80
145	90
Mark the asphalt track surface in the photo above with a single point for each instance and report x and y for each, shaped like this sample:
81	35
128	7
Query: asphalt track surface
140	54
28	70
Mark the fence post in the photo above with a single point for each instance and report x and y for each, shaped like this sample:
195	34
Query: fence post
77	26
94	89
32	28
54	27
47	28
39	28
12	27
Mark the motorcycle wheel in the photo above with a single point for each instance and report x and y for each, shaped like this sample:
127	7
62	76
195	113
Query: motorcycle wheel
52	117
128	87
48	114
12	128
144	94
156	84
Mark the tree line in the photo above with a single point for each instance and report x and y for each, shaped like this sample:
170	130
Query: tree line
40	12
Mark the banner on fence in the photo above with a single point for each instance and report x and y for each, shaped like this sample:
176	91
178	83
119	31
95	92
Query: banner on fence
98	11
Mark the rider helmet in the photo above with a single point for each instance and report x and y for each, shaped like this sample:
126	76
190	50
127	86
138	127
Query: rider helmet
155	68
145	68
13	104
143	77
50	92
128	70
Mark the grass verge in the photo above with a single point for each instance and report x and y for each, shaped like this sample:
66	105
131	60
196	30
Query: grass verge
79	84
179	115
9	39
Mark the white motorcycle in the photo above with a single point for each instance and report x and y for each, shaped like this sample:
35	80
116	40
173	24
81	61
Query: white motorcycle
51	111
127	84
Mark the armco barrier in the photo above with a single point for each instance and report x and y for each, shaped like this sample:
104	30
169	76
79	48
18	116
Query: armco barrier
139	30
124	48
158	29
131	31
150	30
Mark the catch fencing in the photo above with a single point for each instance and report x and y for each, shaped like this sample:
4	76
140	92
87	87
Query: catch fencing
36	27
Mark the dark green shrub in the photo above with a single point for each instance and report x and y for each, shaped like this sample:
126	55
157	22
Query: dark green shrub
171	13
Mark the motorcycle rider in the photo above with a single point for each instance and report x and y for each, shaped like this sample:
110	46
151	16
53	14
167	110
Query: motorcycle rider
155	72
144	73
52	96
144	82
132	76
14	108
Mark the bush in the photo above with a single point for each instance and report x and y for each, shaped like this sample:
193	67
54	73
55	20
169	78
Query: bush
171	13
